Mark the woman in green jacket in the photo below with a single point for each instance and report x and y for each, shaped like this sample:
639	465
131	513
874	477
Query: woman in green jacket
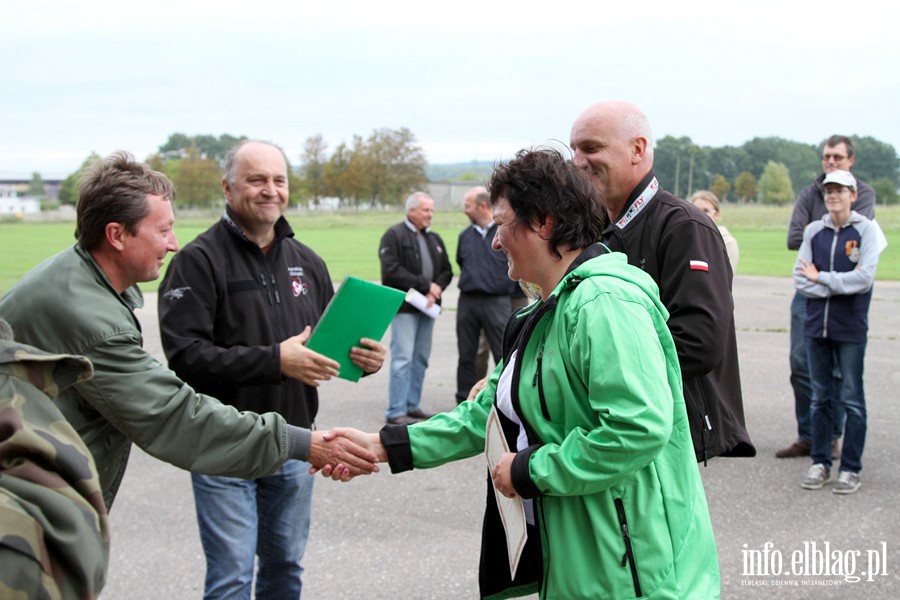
589	398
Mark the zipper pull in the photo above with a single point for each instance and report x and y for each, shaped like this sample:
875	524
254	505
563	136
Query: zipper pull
262	280
275	289
625	537
540	355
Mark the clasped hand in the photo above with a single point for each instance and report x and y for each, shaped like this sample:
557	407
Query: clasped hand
365	449
342	454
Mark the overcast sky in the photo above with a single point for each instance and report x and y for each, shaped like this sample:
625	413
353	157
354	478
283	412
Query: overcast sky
472	80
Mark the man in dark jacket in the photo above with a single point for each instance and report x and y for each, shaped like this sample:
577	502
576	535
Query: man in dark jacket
485	290
236	308
412	257
837	155
682	250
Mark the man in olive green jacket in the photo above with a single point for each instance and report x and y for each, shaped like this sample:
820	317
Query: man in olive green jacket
54	534
82	301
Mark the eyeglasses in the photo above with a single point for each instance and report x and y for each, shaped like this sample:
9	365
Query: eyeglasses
834	157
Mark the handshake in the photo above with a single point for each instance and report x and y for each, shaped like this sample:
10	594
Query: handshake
343	453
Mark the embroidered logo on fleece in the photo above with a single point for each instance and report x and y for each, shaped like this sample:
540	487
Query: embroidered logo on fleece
176	293
852	250
699	265
298	286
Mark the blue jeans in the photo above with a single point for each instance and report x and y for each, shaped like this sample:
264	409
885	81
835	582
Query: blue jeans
824	356
266	517
410	350
803	391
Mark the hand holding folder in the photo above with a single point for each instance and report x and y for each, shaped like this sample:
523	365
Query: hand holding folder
359	309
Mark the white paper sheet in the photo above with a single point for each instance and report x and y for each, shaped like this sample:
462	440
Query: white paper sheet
512	512
419	300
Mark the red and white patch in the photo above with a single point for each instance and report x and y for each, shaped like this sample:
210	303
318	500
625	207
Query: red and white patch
699	265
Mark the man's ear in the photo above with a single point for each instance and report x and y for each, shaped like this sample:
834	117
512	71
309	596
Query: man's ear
638	149
115	235
226	189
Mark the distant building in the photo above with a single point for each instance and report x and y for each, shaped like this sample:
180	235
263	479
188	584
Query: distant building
19	205
13	186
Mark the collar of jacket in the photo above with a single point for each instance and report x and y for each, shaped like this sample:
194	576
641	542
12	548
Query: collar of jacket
571	279
412	227
568	279
611	227
282	227
854	218
133	298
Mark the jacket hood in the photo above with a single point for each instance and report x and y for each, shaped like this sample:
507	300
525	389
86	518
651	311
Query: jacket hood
615	265
854	218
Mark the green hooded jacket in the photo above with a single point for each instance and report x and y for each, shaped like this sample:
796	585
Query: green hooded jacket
619	506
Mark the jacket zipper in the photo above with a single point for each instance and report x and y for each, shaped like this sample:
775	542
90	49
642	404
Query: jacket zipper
834	241
628	557
538	382
275	289
262	280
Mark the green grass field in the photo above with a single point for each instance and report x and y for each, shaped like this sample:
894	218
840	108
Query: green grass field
348	241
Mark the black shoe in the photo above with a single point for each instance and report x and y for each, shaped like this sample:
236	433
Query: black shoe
419	415
402	420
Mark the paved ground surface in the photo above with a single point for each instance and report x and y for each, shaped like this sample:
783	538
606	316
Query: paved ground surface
416	535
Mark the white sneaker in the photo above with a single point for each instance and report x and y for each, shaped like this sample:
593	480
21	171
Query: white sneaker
847	483
816	477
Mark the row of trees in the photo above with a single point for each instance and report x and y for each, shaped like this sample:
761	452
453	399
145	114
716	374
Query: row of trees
768	170
381	169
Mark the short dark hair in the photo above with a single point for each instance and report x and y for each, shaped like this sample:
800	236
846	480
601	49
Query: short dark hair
540	183
114	190
834	140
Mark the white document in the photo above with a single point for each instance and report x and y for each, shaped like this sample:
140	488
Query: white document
419	300
512	512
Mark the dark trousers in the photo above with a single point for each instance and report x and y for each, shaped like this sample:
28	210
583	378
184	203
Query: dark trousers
475	314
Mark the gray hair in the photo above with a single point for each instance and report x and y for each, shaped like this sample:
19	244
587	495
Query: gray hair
414	199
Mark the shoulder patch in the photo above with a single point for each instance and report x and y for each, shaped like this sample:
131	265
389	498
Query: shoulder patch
176	293
699	265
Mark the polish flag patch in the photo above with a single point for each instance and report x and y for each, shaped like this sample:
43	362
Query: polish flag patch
699	265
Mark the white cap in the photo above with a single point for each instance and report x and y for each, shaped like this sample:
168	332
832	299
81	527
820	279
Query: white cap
844	178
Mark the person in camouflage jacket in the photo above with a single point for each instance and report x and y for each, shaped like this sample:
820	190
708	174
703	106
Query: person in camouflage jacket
54	533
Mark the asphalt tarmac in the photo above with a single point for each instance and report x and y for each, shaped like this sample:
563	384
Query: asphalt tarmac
416	535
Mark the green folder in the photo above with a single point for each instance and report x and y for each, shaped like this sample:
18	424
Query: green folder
359	309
